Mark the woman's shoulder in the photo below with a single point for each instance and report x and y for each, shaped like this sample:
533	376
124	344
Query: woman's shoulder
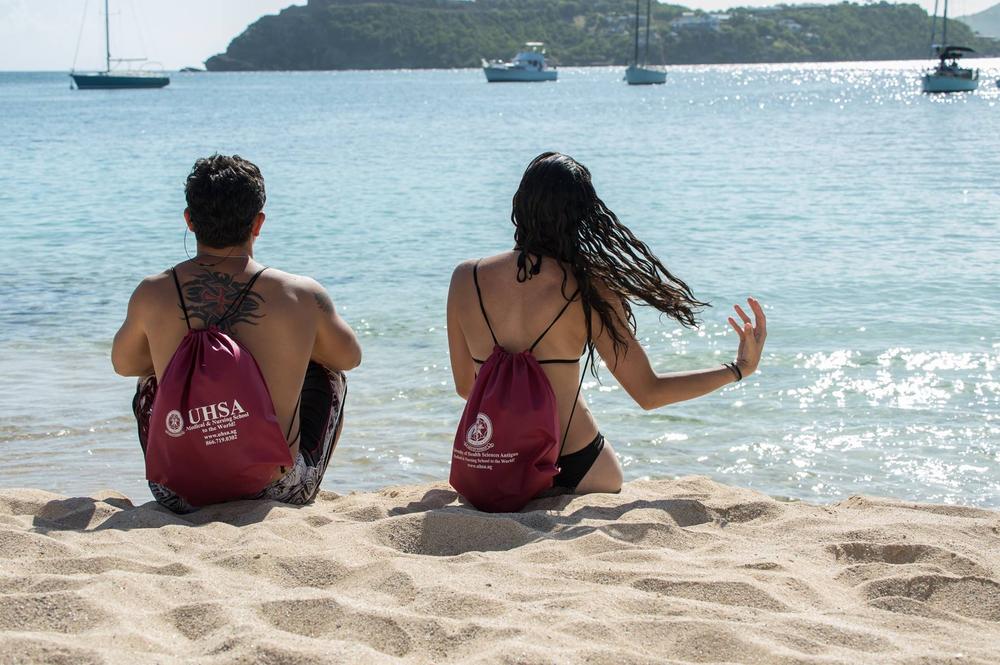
467	266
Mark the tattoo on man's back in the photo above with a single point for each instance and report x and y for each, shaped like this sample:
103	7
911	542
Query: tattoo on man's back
210	294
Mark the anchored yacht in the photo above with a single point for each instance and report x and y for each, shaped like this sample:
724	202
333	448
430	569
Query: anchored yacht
527	66
642	74
117	80
948	76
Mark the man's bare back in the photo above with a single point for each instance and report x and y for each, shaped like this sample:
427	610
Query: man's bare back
287	322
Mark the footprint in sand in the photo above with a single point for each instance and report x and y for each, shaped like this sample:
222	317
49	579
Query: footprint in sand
42	651
734	593
970	597
866	561
695	641
56	612
679	512
40	584
762	511
656	535
325	617
381	577
95	565
286	571
197	620
449	533
817	637
318	521
452	604
31	546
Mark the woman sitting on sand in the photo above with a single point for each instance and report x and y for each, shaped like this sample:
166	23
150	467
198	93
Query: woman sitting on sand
574	262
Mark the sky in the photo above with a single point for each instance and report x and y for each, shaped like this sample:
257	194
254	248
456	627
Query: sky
43	34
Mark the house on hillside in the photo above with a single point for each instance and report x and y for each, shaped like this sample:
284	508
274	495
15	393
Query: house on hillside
702	22
617	23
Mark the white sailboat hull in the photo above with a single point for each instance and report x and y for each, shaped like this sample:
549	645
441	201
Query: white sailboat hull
644	76
934	82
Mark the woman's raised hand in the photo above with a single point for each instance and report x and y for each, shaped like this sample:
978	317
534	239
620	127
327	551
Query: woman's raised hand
752	335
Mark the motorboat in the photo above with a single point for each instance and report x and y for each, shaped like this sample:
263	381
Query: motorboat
527	66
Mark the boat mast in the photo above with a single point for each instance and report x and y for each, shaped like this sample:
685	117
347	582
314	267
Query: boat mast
635	60
934	24
944	29
649	16
107	39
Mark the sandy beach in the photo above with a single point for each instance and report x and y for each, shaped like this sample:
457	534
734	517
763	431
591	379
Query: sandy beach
677	571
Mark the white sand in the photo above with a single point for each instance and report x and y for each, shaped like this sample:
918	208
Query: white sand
668	571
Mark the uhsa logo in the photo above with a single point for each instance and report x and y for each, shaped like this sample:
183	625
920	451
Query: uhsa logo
479	436
202	414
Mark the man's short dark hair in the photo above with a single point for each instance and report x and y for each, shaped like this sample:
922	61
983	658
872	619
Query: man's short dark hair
224	195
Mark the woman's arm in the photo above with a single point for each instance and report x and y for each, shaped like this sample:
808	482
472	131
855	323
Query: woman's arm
463	369
652	390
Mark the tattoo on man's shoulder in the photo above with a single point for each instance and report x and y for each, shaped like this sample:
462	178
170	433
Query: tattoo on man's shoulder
210	295
323	301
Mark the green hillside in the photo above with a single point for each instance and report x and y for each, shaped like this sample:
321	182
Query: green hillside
390	34
986	22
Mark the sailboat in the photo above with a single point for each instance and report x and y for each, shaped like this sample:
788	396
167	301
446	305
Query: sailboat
637	74
948	76
107	80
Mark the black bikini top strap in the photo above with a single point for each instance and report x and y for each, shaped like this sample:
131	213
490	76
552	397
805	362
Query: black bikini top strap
238	301
180	294
479	294
558	316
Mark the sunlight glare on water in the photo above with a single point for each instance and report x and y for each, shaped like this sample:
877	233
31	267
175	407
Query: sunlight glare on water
861	212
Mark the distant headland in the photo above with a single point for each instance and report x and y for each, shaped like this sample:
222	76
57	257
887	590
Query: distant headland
421	34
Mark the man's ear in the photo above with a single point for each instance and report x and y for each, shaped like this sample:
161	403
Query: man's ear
258	222
187	218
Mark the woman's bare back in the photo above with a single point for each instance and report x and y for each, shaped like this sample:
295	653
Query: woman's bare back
519	313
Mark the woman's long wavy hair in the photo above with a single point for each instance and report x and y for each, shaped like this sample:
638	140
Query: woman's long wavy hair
558	214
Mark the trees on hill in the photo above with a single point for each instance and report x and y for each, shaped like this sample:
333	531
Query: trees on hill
389	34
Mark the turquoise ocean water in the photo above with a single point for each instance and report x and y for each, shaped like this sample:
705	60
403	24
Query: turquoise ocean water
865	215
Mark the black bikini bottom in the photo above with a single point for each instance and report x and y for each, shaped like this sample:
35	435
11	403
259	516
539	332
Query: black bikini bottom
573	467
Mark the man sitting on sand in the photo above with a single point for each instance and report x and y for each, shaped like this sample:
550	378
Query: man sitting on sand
287	323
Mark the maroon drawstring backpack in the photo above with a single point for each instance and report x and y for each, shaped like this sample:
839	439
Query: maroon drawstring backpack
507	446
213	433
